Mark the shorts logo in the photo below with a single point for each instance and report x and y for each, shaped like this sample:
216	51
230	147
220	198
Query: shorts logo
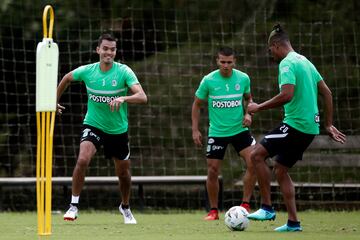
284	128
317	118
86	132
211	141
215	147
95	136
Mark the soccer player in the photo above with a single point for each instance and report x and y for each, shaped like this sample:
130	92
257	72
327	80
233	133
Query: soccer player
105	124
299	84
225	90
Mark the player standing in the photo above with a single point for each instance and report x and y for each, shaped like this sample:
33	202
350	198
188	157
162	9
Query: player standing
299	84
225	91
107	83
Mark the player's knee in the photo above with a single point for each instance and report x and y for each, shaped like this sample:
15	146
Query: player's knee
256	157
124	173
213	172
82	162
250	169
280	171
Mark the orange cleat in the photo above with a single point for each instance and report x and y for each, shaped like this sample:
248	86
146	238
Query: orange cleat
212	215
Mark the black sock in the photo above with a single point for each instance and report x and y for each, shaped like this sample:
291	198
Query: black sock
267	207
214	208
293	223
123	206
74	204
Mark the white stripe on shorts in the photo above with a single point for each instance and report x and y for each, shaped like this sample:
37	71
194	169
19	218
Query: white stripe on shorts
276	135
128	156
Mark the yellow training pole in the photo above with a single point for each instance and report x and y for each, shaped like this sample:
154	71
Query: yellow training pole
47	57
50	120
38	166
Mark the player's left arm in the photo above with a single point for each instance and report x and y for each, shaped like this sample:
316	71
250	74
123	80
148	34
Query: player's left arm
138	96
326	94
286	94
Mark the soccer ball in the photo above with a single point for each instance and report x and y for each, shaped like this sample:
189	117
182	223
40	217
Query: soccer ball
236	218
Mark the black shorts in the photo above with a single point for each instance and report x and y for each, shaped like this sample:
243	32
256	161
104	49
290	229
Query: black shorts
115	145
287	144
217	145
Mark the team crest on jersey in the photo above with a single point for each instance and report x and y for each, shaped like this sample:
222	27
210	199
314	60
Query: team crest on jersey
113	83
285	69
237	87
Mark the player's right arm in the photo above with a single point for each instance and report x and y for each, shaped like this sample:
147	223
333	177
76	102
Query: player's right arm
63	85
195	117
247	116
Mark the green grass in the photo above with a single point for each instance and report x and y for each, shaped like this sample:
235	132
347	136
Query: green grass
179	225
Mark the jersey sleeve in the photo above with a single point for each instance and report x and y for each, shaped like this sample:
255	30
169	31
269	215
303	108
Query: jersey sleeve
247	86
316	75
130	77
202	92
286	73
78	73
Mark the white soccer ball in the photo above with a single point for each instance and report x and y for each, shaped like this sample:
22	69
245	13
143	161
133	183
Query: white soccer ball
236	218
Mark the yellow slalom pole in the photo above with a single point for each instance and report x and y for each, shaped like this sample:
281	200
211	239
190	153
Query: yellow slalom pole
46	79
38	166
42	173
50	121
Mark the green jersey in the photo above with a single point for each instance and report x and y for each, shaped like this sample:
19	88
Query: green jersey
225	97
102	88
302	111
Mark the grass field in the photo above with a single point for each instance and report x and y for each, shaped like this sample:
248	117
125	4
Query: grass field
179	225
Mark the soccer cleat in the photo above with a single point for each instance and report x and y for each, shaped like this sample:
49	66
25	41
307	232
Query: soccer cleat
262	215
71	214
286	228
246	206
128	217
212	215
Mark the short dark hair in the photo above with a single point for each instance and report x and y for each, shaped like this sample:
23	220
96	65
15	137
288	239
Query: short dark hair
226	51
106	36
278	34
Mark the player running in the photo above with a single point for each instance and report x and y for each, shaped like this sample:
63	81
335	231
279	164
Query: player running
105	124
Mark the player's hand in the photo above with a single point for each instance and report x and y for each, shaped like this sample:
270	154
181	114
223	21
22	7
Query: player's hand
197	137
252	107
59	109
247	120
115	104
336	134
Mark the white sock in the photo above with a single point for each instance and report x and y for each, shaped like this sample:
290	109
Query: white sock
75	199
